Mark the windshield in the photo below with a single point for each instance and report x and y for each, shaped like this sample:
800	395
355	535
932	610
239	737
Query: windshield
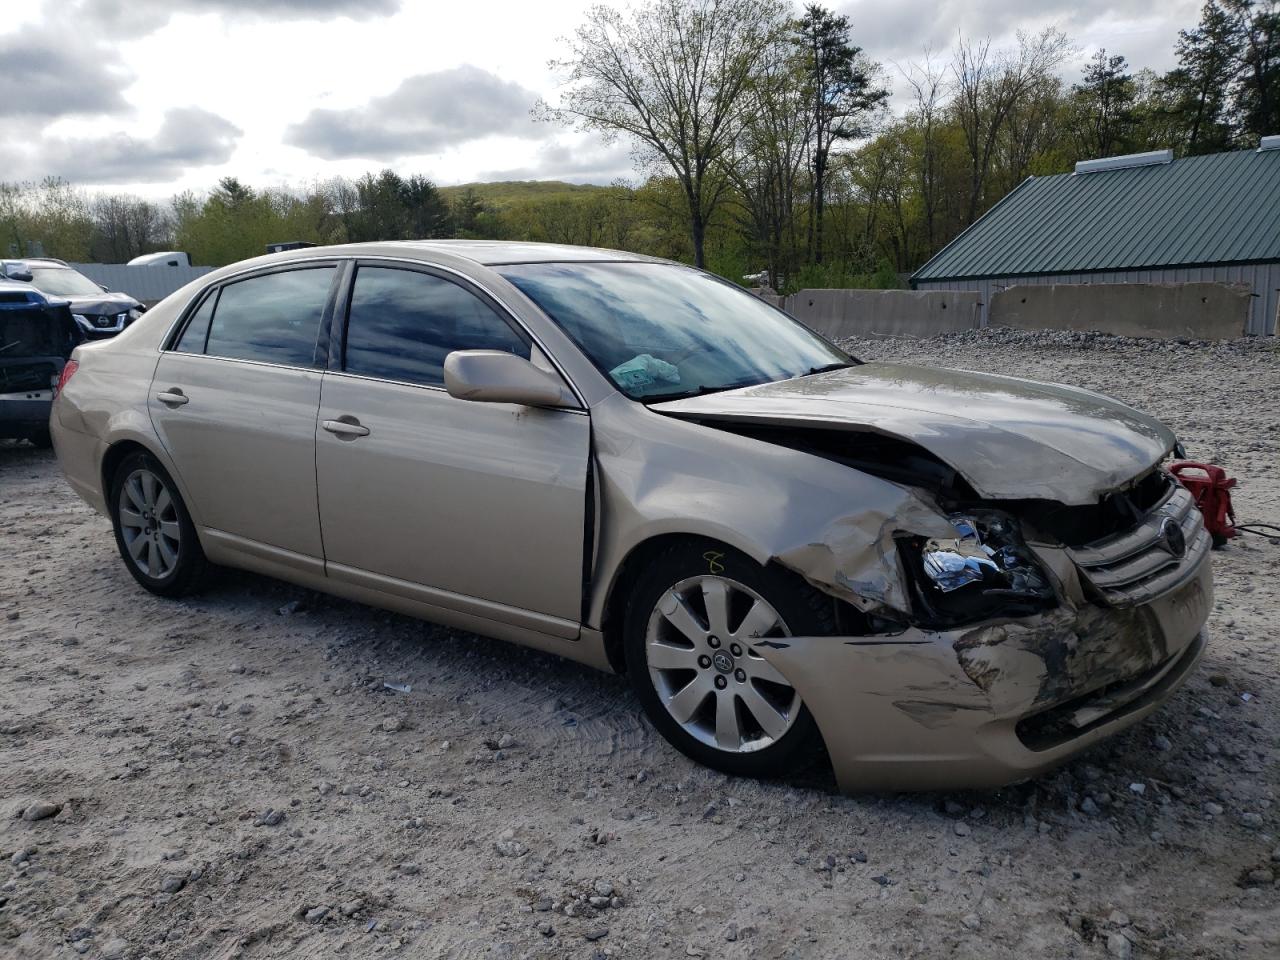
63	282
661	330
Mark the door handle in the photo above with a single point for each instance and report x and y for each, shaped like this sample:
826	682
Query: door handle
173	397
345	428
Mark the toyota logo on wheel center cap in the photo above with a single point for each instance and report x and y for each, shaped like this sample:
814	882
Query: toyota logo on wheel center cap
722	661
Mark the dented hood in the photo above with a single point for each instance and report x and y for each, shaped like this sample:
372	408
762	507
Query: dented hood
1009	438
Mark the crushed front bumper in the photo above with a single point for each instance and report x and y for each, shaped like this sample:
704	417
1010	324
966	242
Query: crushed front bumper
996	702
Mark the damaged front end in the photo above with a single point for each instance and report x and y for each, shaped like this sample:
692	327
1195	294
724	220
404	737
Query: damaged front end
1021	633
1013	576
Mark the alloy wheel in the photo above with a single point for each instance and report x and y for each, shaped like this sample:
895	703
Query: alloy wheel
707	676
149	524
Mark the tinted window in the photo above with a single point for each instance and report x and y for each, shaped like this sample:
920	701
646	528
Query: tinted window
273	318
193	337
403	324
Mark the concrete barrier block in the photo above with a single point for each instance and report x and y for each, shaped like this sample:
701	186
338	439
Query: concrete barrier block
1196	311
885	313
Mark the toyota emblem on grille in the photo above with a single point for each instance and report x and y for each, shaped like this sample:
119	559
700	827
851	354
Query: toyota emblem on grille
1172	538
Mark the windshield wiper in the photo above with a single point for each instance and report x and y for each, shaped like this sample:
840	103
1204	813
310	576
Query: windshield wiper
829	367
697	392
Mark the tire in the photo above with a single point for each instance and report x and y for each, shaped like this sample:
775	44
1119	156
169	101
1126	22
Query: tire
41	439
154	532
664	659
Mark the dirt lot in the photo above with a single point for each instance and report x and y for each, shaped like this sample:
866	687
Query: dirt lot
235	780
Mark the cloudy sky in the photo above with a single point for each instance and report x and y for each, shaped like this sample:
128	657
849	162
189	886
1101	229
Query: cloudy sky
154	96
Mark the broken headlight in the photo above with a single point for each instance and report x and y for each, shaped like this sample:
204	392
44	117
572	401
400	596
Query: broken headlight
985	570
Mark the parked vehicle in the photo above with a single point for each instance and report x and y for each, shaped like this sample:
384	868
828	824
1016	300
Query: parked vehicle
944	578
37	336
98	312
165	258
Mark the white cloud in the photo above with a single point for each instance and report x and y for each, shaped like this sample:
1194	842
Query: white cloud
132	17
187	138
425	114
47	78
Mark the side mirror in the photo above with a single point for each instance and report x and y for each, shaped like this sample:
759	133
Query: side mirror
494	376
23	275
105	288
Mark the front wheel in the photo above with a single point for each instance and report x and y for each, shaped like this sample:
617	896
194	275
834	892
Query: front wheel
154	532
690	625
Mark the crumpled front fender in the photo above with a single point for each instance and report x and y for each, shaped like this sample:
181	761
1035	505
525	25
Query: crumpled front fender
927	710
831	524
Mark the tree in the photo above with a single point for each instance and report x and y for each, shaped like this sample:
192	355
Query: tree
1200	87
842	94
989	86
232	193
1103	107
427	215
125	227
467	211
769	157
1257	106
670	75
927	87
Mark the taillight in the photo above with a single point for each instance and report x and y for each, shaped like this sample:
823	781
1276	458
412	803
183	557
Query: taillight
64	378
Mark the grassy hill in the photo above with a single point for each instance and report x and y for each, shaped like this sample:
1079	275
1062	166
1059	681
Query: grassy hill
506	192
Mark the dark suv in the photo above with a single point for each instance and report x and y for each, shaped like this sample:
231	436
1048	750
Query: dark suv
37	336
98	312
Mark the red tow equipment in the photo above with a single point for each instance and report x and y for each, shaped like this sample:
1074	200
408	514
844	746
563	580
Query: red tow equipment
1211	488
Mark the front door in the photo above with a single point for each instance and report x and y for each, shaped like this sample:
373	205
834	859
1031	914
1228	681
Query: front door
472	501
235	400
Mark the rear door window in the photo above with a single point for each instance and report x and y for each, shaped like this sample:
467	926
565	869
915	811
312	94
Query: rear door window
402	324
273	318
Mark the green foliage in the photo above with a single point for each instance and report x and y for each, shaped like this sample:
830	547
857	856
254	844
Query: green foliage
1102	108
236	222
842	275
51	218
468	212
497	195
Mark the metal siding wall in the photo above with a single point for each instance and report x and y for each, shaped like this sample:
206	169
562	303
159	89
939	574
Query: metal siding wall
148	284
1263	278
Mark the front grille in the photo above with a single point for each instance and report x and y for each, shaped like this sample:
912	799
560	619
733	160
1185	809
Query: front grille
105	321
1144	562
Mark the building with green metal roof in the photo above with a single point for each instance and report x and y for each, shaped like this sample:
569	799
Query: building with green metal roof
1145	218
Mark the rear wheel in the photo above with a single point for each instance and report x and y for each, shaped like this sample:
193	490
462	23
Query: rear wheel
154	532
692	620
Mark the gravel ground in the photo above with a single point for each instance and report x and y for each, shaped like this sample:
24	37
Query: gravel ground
230	776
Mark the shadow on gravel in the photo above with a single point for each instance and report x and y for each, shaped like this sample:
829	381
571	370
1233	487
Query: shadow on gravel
18	452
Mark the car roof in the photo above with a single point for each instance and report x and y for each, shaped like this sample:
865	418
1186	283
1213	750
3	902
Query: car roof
487	253
42	261
493	252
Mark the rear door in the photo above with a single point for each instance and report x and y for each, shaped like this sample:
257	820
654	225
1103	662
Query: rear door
234	399
475	506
